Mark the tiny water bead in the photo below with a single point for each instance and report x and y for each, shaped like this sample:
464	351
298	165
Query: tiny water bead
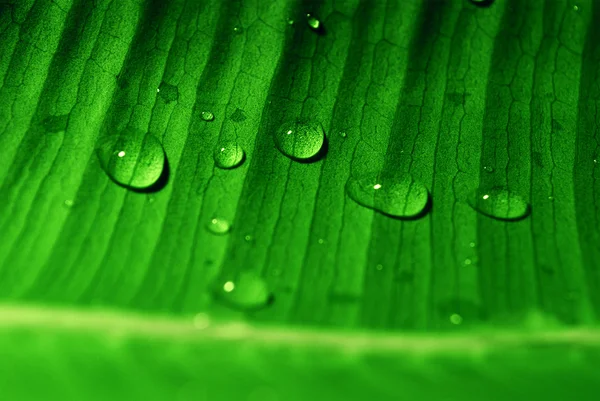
313	22
238	29
132	159
169	93
229	155
488	169
207	116
300	141
394	195
247	292
500	203
218	226
290	21
455	318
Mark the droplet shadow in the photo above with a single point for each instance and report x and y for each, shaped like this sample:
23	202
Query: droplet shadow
162	181
320	154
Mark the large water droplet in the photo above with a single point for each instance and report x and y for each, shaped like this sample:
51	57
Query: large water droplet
247	292
301	141
133	159
207	116
391	194
218	226
313	22
500	203
55	123
169	93
228	155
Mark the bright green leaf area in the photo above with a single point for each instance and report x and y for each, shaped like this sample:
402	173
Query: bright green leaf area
117	274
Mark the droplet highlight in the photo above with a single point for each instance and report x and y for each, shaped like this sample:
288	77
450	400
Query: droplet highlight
399	196
133	159
218	226
300	141
207	116
488	169
500	203
247	292
313	22
229	155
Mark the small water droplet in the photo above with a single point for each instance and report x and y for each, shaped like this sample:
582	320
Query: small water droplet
472	244
132	159
247	292
300	141
218	226
238	29
69	203
455	318
313	22
321	241
53	124
207	116
290	21
228	155
393	195
248	238
343	134
468	262
488	169
576	8
169	93
596	161
499	203
551	198
379	267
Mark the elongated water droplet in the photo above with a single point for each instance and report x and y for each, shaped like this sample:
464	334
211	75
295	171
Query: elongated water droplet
54	124
500	203
313	22
247	292
228	155
218	226
207	116
301	141
132	159
394	195
169	93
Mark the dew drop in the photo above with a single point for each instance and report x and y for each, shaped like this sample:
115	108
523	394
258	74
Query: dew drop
379	267
248	238
468	262
499	203
343	134
69	203
54	124
488	169
313	22
393	195
247	292
321	241
207	116
218	226
455	318
575	8
290	21
238	29
300	141
229	155
169	93
133	159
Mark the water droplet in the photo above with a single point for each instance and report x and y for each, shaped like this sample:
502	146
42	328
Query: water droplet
343	134
455	318
596	161
488	169
248	238
313	22
472	244
207	116
218	226
394	195
132	159
169	93
468	262
238	115
238	29
229	155
54	124
551	198
379	267
69	203
247	292
576	8
499	203
300	141
290	21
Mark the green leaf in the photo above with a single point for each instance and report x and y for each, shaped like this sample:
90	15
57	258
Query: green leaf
148	183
